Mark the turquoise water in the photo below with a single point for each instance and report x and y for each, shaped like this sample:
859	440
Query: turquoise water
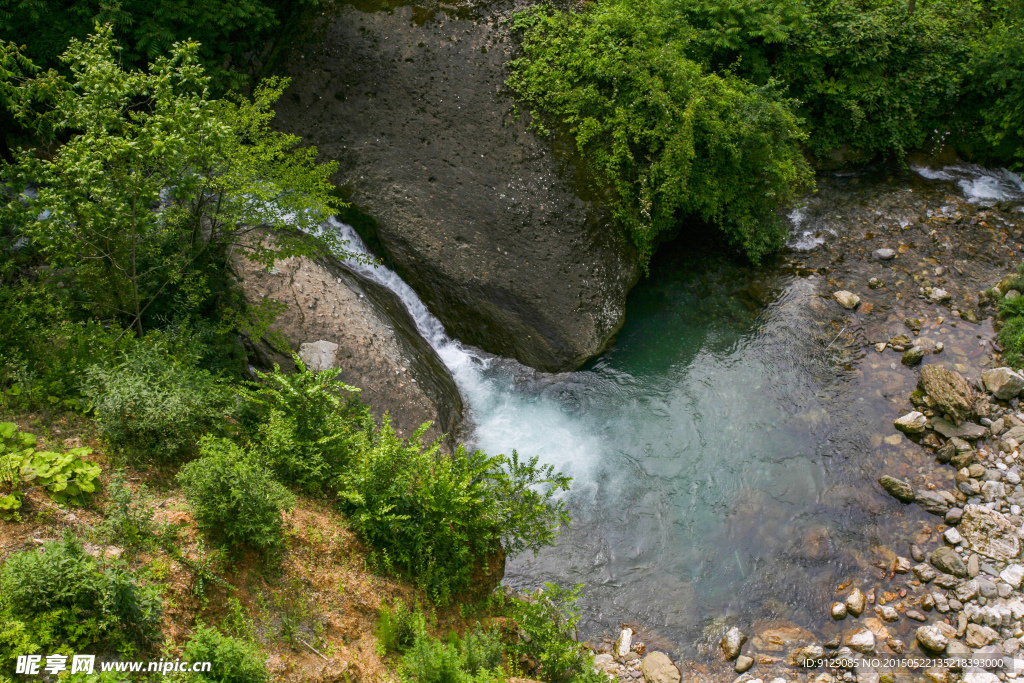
725	449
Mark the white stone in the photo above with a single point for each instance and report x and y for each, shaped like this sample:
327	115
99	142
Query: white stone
952	536
1013	575
319	355
847	300
863	641
624	643
913	422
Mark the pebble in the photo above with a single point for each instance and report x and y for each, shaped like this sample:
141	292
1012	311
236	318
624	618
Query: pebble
952	536
884	254
743	663
838	610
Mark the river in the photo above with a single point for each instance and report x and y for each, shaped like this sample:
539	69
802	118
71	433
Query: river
724	449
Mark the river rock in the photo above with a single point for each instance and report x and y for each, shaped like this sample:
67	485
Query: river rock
947	561
965	430
980	677
913	356
658	668
1013	575
884	254
862	640
743	663
931	501
485	222
847	300
337	318
949	390
1003	383
924	573
913	422
989	532
801	655
732	643
931	638
623	643
856	601
838	610
968	590
979	636
897	488
887	613
951	536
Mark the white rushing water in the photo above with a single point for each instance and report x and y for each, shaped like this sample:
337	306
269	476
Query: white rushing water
980	185
504	418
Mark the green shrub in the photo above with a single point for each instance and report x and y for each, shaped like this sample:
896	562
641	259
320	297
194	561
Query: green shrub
233	660
396	628
155	401
236	500
307	426
59	598
129	521
871	76
44	353
663	139
548	619
475	659
439	516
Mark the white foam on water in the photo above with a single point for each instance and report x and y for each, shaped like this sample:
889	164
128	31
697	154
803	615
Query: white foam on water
807	239
979	185
504	417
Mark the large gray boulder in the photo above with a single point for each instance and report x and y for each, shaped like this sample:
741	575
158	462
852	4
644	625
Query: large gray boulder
337	318
491	227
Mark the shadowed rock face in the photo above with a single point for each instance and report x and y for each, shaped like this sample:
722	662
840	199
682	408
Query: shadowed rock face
378	346
472	209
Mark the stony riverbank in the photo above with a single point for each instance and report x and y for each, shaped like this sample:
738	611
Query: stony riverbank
908	298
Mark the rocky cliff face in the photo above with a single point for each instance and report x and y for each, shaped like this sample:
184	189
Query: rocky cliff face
336	318
472	209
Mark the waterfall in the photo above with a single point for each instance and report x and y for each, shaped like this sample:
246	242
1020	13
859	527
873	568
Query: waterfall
503	416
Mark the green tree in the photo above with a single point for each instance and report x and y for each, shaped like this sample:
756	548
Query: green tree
157	180
661	137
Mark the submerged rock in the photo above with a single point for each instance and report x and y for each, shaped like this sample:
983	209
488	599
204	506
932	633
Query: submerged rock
884	254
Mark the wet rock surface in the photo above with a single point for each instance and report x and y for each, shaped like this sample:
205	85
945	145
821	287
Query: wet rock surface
473	210
336	318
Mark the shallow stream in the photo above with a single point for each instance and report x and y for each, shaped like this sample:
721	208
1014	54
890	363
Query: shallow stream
725	449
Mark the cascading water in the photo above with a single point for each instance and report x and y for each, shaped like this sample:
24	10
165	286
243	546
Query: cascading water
719	450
